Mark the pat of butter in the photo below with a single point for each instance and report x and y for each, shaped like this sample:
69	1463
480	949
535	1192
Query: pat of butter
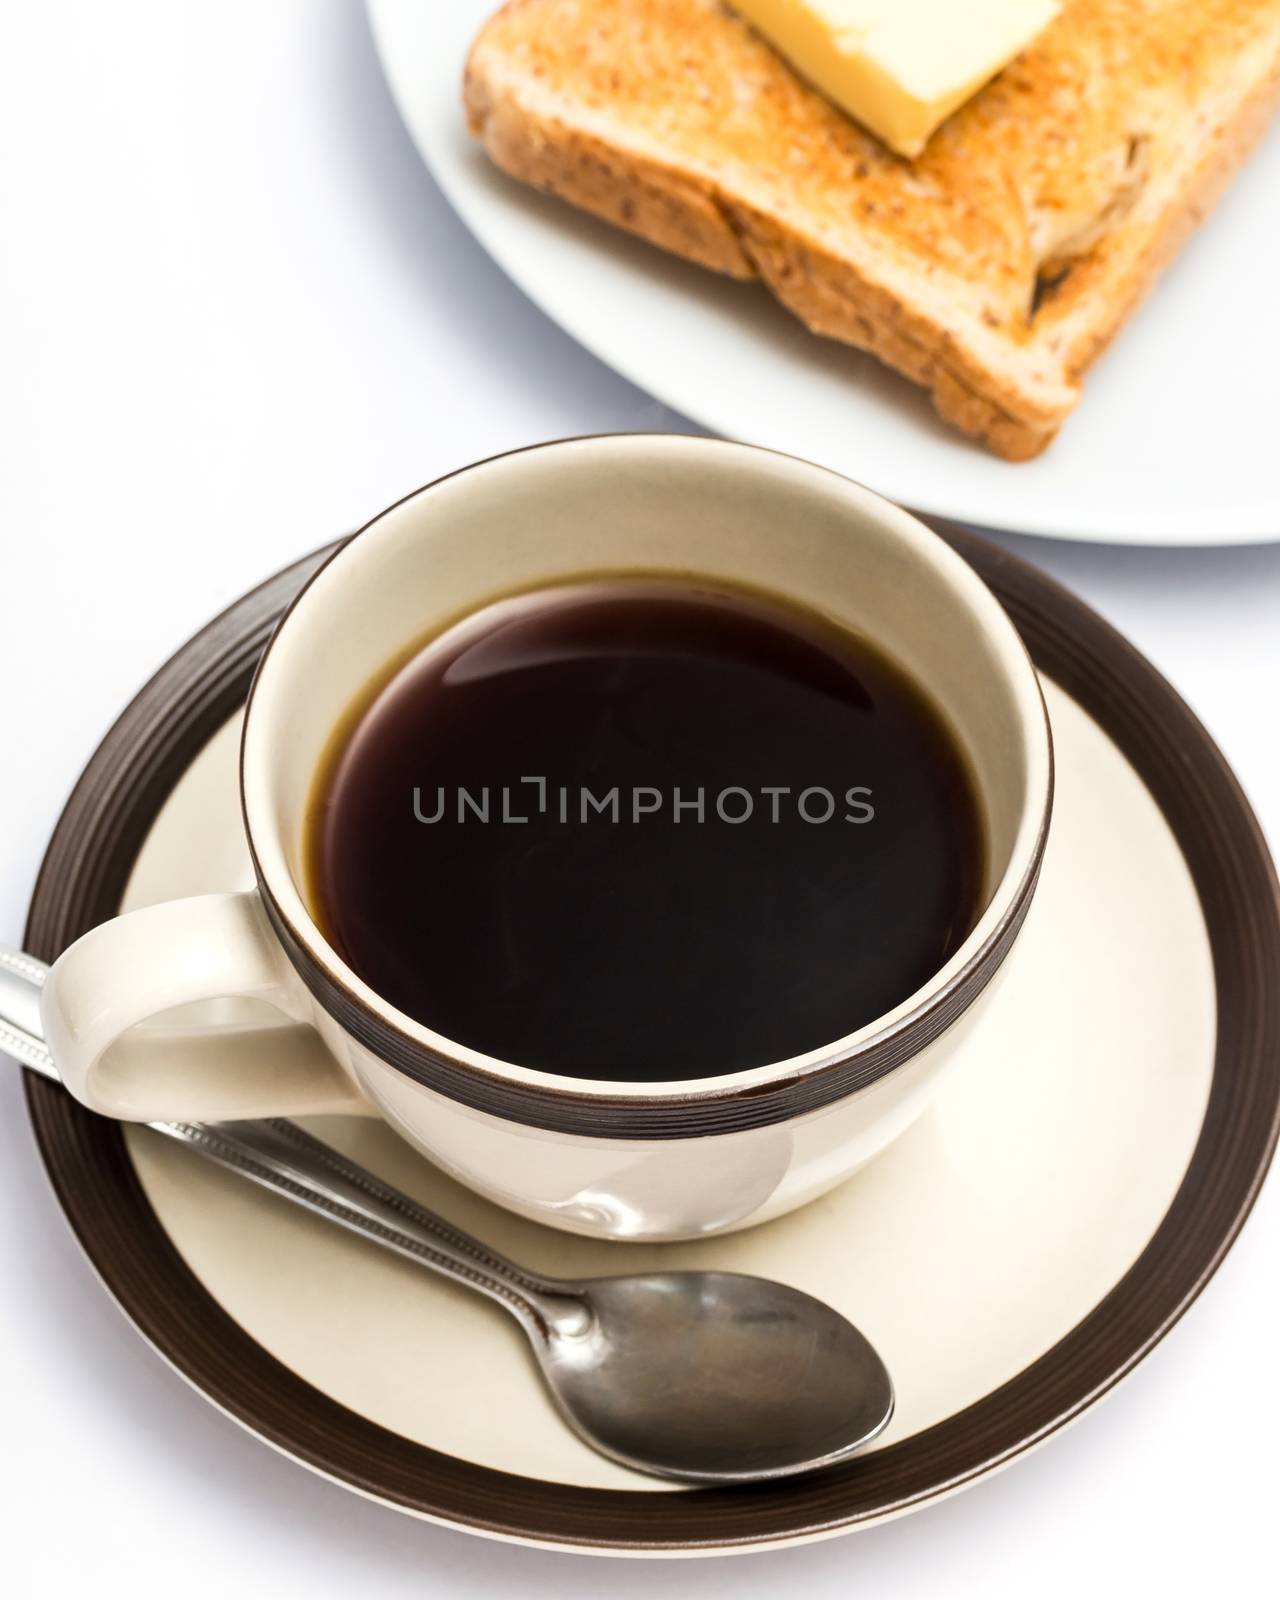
899	66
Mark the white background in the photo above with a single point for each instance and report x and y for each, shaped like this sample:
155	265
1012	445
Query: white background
236	319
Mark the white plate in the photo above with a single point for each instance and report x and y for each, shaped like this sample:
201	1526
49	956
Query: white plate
1174	442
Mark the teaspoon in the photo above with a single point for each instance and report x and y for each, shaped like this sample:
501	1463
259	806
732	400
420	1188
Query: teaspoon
708	1377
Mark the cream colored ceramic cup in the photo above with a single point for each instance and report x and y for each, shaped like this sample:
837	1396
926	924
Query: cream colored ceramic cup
636	1161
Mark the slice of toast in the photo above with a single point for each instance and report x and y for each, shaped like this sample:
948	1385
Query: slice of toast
993	269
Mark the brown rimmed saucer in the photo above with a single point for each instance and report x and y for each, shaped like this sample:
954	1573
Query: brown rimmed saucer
1143	987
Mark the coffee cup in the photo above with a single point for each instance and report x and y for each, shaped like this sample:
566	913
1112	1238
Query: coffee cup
645	1160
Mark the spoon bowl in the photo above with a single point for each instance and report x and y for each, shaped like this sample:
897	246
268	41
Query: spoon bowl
713	1377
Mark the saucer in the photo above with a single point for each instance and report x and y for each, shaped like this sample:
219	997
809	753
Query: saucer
1077	1181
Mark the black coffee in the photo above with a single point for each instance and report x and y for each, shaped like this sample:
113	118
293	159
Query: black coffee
642	830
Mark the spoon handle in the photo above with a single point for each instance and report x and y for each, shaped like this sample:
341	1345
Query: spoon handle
282	1157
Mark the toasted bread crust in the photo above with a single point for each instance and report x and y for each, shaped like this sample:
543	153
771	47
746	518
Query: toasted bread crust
691	219
966	323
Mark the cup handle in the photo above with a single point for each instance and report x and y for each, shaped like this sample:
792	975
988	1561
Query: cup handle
131	969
